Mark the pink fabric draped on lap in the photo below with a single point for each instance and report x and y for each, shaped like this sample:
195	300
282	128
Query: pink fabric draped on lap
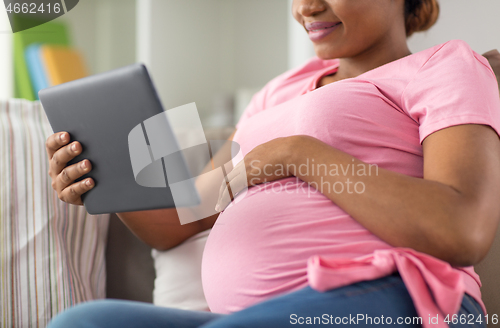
426	278
284	235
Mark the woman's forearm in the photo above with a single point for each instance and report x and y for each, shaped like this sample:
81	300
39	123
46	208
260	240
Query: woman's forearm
161	229
425	215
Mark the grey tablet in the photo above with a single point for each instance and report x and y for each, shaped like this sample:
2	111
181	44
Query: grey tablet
106	113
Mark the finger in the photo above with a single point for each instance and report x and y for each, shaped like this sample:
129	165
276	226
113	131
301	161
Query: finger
225	183
56	141
69	174
225	195
223	201
62	156
238	180
237	184
231	175
73	193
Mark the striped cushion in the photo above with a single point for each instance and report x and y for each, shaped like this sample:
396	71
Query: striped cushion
51	253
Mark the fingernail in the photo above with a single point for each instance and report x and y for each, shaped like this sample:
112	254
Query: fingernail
88	183
73	147
84	165
62	137
217	208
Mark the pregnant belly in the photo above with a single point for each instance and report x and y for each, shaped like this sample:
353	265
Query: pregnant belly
259	246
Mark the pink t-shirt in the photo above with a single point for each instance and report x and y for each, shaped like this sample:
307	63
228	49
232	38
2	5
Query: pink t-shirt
284	235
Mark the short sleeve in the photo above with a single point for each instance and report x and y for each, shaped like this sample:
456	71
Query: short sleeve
454	86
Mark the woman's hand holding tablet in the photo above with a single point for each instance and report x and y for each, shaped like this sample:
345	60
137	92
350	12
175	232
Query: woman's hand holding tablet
63	178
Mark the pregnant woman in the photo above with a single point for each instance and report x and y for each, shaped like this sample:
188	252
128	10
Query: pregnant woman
373	179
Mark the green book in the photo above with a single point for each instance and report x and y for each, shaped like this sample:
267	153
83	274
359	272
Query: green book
55	33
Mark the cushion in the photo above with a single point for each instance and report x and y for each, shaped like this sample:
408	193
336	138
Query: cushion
178	275
51	253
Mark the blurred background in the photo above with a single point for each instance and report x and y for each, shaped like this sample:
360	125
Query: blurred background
216	53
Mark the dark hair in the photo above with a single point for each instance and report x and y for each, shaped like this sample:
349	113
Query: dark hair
420	15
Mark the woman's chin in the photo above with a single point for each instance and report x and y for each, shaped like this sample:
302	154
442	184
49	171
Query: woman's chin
325	52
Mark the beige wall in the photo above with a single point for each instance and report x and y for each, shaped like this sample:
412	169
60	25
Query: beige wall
198	49
104	30
475	22
300	48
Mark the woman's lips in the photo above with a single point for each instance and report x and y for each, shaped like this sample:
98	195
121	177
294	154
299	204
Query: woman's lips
319	30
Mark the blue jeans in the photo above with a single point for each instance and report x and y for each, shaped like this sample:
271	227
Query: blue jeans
367	303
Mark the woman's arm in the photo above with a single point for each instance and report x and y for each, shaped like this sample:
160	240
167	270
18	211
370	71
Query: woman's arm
452	213
493	57
161	228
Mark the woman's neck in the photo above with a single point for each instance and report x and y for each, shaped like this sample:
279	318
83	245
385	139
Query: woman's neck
373	57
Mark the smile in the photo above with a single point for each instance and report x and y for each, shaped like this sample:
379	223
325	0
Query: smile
319	33
324	28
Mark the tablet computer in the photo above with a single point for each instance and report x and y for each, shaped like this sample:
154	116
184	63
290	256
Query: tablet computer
106	113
